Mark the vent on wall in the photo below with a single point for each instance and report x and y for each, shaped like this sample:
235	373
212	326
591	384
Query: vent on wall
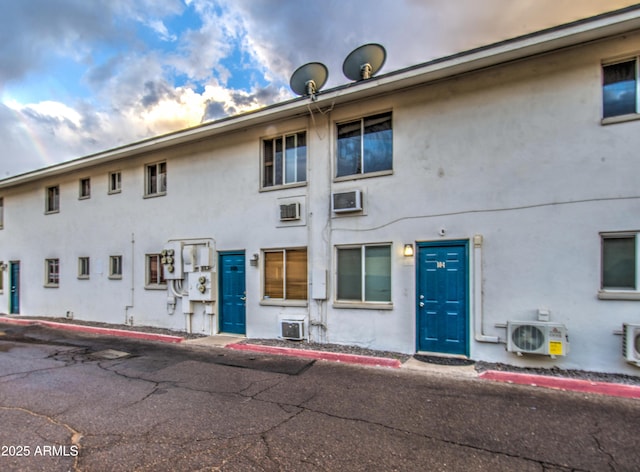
290	212
291	329
344	202
537	337
631	343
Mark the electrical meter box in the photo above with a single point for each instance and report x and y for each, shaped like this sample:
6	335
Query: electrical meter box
171	260
202	286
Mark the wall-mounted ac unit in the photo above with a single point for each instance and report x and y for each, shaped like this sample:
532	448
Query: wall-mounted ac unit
292	329
290	212
537	337
631	343
344	202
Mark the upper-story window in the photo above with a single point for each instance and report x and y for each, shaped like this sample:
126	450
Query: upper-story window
620	88
284	160
83	267
85	188
52	199
115	182
365	146
115	267
155	179
1	212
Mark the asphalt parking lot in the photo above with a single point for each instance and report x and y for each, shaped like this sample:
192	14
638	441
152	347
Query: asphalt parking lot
77	401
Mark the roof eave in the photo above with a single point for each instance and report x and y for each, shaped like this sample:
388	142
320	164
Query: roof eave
580	32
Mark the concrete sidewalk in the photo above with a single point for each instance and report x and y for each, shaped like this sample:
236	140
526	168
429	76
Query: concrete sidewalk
412	364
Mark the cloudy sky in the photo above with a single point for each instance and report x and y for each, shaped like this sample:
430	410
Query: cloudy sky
83	76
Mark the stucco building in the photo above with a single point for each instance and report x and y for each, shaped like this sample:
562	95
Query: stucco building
482	205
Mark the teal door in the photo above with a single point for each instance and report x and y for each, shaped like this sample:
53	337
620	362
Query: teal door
14	286
232	290
442	297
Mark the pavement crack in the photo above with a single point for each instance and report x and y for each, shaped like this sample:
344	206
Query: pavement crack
76	436
612	461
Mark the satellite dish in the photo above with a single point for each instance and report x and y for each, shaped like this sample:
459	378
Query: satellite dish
309	79
362	63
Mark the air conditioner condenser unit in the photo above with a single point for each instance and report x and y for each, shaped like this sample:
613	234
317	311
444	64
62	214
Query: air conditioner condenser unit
537	337
631	343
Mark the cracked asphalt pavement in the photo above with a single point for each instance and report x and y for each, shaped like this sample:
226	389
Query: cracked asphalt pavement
82	402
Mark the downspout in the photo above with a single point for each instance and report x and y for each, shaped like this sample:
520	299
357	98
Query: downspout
477	294
131	304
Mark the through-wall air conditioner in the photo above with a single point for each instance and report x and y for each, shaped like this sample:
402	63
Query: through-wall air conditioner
290	212
631	343
292	329
537	337
344	202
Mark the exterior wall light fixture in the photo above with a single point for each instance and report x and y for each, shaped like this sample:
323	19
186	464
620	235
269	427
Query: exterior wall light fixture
408	250
254	260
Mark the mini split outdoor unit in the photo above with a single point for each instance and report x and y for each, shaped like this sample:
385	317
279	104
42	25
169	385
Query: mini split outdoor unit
344	202
537	337
631	343
292	329
290	212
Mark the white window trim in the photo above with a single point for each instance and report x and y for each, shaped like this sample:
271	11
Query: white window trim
362	304
630	116
112	275
147	193
281	301
111	191
82	276
148	285
46	200
47	273
80	195
621	294
283	137
361	175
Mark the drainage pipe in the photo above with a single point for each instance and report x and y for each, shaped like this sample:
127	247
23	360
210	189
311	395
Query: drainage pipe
131	304
477	294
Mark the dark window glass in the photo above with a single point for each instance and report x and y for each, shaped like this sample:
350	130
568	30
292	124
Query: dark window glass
619	89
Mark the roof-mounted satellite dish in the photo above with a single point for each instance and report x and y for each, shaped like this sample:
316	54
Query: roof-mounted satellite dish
309	79
362	63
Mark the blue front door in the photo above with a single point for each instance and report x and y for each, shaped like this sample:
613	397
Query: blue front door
14	285
232	292
442	294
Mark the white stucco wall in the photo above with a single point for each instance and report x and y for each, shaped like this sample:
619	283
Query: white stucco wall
515	153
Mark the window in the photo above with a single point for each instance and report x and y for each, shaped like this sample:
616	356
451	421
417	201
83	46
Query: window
364	273
365	146
52	203
156	179
85	188
619	276
620	88
284	160
115	182
115	267
155	275
52	275
1	212
83	267
285	274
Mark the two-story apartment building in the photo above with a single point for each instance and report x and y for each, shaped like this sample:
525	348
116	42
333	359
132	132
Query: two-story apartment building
481	205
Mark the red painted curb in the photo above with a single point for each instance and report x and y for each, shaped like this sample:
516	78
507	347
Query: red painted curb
325	356
576	385
95	330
